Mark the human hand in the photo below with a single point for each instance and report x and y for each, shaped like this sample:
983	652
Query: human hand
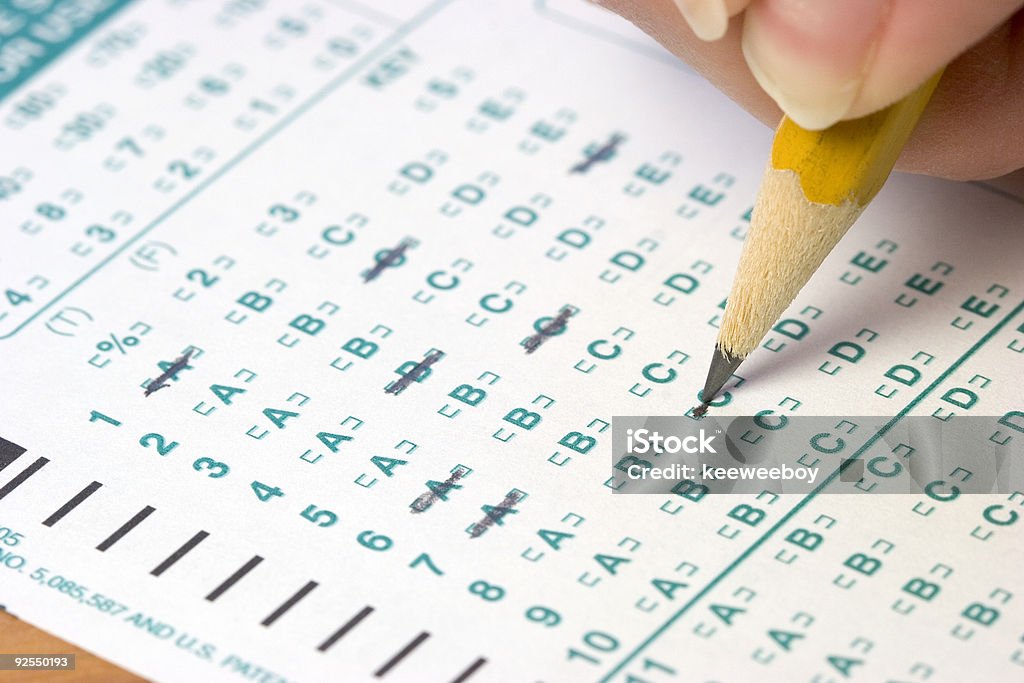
821	61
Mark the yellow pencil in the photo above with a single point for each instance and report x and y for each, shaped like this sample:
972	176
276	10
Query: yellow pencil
816	185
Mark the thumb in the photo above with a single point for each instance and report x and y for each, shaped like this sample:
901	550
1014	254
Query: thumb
827	60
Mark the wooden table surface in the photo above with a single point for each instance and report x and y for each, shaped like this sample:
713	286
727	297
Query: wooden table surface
19	637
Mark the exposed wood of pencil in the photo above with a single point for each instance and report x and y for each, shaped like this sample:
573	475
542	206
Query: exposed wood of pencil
816	185
789	238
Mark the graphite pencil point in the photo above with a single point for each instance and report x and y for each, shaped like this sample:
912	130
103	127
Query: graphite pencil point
722	367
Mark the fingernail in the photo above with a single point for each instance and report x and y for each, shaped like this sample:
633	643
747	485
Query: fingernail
811	57
708	18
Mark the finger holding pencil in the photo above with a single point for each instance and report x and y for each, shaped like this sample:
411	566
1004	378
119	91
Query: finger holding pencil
808	58
815	187
854	79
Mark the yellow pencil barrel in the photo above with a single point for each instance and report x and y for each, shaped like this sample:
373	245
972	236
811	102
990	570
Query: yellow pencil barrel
851	159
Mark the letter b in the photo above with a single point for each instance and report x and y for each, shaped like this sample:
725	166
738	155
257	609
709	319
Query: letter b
690	490
865	564
808	540
360	347
981	614
468	394
308	324
627	461
920	588
749	515
578	442
521	417
255	301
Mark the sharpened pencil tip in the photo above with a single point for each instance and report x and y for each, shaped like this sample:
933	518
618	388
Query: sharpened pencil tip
722	367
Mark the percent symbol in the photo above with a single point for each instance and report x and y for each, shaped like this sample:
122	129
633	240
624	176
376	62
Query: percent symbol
120	344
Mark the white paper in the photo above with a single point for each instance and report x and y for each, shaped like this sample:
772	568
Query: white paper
223	140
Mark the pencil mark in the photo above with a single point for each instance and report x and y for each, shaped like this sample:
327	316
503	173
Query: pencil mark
418	370
345	628
422	503
603	153
389	259
401	654
75	501
494	515
170	374
234	578
123	530
179	553
555	326
470	670
22	476
289	603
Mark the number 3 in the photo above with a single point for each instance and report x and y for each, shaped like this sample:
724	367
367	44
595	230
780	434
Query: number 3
217	469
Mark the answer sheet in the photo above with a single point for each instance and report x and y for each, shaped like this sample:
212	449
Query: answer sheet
332	226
